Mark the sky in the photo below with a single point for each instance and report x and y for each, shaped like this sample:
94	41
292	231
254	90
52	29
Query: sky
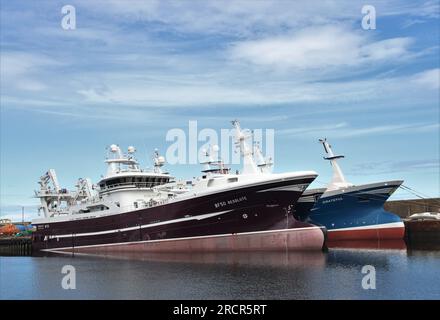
132	70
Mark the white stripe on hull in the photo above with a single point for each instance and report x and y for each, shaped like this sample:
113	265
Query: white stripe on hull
373	226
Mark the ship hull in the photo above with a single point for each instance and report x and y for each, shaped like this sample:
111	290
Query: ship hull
255	208
356	213
293	239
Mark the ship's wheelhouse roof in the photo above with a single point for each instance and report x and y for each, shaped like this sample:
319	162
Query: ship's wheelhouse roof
131	174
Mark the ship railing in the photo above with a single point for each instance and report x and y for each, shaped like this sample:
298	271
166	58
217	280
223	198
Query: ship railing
58	213
139	205
54	193
154	203
129	170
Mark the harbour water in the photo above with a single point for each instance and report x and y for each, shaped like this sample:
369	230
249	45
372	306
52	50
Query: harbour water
400	273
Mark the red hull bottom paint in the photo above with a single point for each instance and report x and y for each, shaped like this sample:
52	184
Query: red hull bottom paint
299	239
392	233
393	244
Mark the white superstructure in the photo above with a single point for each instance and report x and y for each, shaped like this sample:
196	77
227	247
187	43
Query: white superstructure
125	186
128	187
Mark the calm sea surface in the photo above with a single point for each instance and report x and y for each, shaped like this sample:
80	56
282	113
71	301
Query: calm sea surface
400	273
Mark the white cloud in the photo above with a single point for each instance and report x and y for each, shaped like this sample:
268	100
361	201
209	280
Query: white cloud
220	89
132	71
84	35
429	78
385	50
320	47
344	130
422	9
368	168
20	63
195	94
312	129
239	17
23	70
247	18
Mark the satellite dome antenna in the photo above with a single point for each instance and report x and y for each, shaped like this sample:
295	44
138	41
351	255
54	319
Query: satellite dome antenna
114	148
131	149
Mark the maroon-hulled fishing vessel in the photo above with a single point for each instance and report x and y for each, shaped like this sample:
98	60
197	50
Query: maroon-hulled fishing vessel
131	209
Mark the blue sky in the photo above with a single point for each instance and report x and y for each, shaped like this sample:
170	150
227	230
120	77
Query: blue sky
132	70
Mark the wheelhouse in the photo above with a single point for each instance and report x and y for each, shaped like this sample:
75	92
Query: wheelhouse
149	181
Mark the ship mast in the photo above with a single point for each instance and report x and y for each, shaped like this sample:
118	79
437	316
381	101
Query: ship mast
249	165
265	165
212	165
338	180
117	158
159	161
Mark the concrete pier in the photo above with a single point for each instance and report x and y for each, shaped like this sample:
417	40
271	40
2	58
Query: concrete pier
418	233
16	246
405	208
422	231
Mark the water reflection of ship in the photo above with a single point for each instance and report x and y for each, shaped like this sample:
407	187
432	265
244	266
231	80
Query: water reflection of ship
296	259
356	258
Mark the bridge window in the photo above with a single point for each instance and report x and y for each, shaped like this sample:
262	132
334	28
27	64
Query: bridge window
139	182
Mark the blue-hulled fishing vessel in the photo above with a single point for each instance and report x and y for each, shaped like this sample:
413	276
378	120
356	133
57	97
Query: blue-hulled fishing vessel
348	211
